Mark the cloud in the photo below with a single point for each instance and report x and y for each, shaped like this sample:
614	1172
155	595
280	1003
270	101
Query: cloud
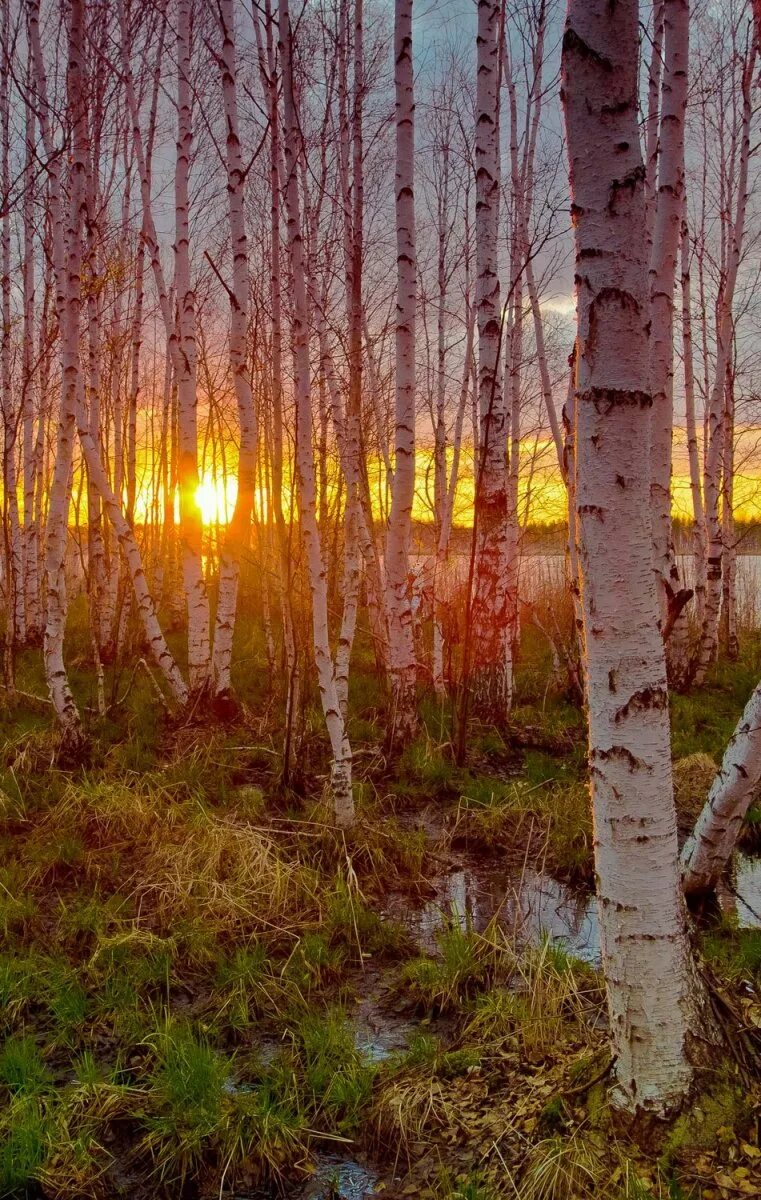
562	306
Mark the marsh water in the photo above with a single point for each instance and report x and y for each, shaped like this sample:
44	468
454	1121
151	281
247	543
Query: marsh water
471	893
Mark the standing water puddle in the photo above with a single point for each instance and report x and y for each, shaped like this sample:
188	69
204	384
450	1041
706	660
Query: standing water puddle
334	1178
339	1179
528	906
534	905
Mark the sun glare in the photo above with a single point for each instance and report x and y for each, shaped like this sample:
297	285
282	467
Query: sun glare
216	499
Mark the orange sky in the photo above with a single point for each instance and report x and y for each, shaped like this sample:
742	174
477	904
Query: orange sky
540	482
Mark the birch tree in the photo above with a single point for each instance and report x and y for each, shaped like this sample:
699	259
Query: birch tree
491	651
341	785
67	258
401	639
654	1001
191	530
237	535
30	400
668	203
716	423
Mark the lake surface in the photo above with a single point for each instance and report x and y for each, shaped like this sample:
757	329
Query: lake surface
544	574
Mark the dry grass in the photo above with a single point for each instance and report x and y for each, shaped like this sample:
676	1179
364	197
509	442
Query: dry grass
551	998
693	776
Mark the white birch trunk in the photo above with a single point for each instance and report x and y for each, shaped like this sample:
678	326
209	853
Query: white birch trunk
728	617
653	999
16	629
654	74
491	649
450	490
31	547
403	717
341	786
67	260
160	652
709	636
268	76
693	452
239	528
669	203
191	529
706	855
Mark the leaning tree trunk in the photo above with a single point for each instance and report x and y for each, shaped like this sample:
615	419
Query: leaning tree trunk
401	634
652	988
707	853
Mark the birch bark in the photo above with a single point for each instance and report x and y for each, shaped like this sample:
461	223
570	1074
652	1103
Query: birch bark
707	852
31	547
266	51
492	652
16	616
652	990
237	535
709	635
693	453
191	528
401	635
669	203
341	786
67	258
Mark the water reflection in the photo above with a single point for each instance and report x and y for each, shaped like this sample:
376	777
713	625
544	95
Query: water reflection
339	1179
527	906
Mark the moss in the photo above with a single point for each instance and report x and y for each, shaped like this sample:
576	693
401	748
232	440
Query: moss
552	1118
734	952
710	1120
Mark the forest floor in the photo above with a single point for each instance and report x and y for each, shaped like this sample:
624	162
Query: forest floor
205	990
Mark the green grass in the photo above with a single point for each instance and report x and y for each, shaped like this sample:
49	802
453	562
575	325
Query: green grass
22	1070
164	907
735	953
461	966
553	818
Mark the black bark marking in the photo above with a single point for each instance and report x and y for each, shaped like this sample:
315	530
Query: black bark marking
644	700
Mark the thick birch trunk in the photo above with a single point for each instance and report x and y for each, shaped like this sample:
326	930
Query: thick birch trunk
401	633
652	988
